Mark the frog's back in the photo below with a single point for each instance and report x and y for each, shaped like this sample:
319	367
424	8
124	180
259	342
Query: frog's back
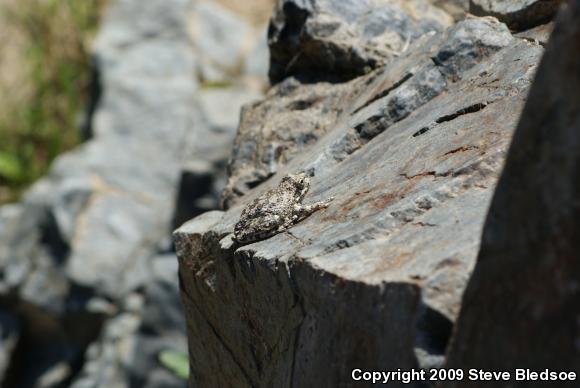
263	216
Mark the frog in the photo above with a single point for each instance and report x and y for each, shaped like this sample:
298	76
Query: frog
277	210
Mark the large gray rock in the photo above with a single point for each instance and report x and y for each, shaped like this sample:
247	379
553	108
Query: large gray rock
520	309
339	40
145	110
374	281
87	232
293	116
105	205
517	14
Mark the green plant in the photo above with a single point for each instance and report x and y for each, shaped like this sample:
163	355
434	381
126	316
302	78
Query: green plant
176	362
55	38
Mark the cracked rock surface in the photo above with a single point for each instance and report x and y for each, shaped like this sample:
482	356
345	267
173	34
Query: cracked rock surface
343	39
411	152
294	116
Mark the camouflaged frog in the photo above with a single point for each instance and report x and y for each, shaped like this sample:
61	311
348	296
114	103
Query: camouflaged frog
276	210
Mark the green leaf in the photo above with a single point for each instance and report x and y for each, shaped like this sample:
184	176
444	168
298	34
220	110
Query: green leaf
10	167
176	362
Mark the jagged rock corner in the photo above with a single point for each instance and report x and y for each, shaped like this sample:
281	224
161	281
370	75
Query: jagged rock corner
410	137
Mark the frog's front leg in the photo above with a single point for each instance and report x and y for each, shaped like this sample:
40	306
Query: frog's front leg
302	211
287	223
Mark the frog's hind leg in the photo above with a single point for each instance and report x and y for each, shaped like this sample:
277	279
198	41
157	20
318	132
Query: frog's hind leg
303	211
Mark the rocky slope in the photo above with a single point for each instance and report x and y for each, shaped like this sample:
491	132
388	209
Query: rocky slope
411	148
404	111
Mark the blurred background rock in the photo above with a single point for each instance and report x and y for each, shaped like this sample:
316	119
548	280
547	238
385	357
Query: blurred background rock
116	121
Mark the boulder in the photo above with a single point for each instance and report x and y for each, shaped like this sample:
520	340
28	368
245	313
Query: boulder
339	40
520	308
411	152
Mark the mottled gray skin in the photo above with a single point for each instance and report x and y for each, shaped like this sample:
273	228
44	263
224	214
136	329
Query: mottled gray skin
276	210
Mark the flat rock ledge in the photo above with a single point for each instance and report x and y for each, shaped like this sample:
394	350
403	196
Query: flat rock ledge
375	281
